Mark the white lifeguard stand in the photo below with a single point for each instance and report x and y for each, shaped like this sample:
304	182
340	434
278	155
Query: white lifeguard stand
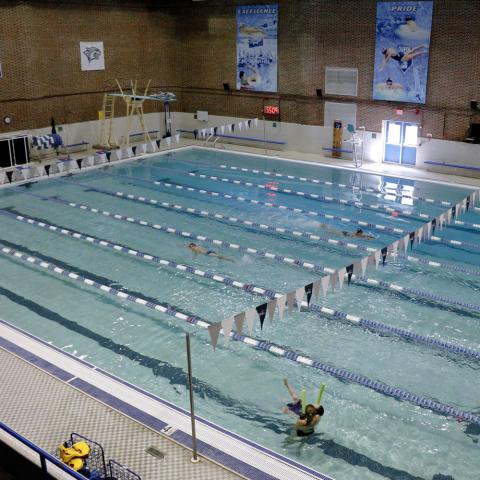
357	144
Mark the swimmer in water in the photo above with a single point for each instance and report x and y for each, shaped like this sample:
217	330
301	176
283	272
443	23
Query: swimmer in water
359	233
305	425
197	249
402	57
307	422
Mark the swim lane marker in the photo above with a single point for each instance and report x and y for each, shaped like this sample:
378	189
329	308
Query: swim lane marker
340	185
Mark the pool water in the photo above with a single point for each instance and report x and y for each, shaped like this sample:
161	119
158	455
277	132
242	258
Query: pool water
363	434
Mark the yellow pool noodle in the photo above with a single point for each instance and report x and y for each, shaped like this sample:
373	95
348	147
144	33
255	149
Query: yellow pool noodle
320	394
303	398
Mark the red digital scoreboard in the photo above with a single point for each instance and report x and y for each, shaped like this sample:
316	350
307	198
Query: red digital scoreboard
271	110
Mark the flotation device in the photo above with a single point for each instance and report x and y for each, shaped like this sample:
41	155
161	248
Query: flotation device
303	397
74	456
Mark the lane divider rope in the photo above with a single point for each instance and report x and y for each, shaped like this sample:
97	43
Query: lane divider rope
290	261
373	226
295	233
341	373
251	224
336	184
217	216
251	288
330	199
314	196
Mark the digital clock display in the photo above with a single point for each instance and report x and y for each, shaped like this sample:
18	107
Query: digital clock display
271	110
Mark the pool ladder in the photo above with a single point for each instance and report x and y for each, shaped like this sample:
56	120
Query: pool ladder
209	143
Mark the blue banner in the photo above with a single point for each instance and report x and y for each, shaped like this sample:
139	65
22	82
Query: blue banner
257	48
401	51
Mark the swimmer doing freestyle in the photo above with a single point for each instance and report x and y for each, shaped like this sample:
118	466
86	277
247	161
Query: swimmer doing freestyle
359	233
197	249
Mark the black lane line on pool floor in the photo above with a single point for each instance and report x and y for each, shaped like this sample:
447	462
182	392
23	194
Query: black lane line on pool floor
88	274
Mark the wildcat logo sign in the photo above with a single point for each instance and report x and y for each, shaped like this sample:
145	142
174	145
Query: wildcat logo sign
92	56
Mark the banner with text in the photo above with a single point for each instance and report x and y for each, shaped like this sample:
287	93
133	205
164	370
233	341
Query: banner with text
402	51
257	48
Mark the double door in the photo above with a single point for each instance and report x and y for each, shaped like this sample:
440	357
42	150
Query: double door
400	142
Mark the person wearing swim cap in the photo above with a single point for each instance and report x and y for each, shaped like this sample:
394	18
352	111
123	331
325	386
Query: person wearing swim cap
360	234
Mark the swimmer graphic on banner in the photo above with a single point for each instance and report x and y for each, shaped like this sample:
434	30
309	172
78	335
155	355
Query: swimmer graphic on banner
402	50
257	48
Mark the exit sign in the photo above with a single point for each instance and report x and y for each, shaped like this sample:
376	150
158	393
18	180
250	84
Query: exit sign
271	110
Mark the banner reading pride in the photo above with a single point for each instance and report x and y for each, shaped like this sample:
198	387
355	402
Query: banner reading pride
257	48
402	50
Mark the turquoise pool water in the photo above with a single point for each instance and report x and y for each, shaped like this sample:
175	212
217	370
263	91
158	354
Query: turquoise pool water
363	434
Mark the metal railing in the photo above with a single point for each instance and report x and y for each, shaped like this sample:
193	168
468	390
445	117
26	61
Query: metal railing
43	456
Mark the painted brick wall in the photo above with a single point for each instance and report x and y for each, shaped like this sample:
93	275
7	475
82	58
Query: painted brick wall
189	47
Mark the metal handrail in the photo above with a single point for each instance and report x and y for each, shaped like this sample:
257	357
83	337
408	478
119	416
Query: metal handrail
42	453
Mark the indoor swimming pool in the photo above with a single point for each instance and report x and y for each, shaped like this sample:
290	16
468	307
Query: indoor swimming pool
128	226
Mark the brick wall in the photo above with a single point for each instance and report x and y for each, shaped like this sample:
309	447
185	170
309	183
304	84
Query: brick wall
39	50
189	47
314	34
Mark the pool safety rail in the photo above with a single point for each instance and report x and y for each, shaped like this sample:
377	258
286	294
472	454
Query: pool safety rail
249	287
340	373
453	165
263	292
47	462
250	224
339	185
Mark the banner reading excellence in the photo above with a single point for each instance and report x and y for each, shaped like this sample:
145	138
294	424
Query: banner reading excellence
402	50
257	48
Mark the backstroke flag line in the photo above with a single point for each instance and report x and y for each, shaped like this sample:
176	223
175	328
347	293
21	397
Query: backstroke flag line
257	48
402	50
